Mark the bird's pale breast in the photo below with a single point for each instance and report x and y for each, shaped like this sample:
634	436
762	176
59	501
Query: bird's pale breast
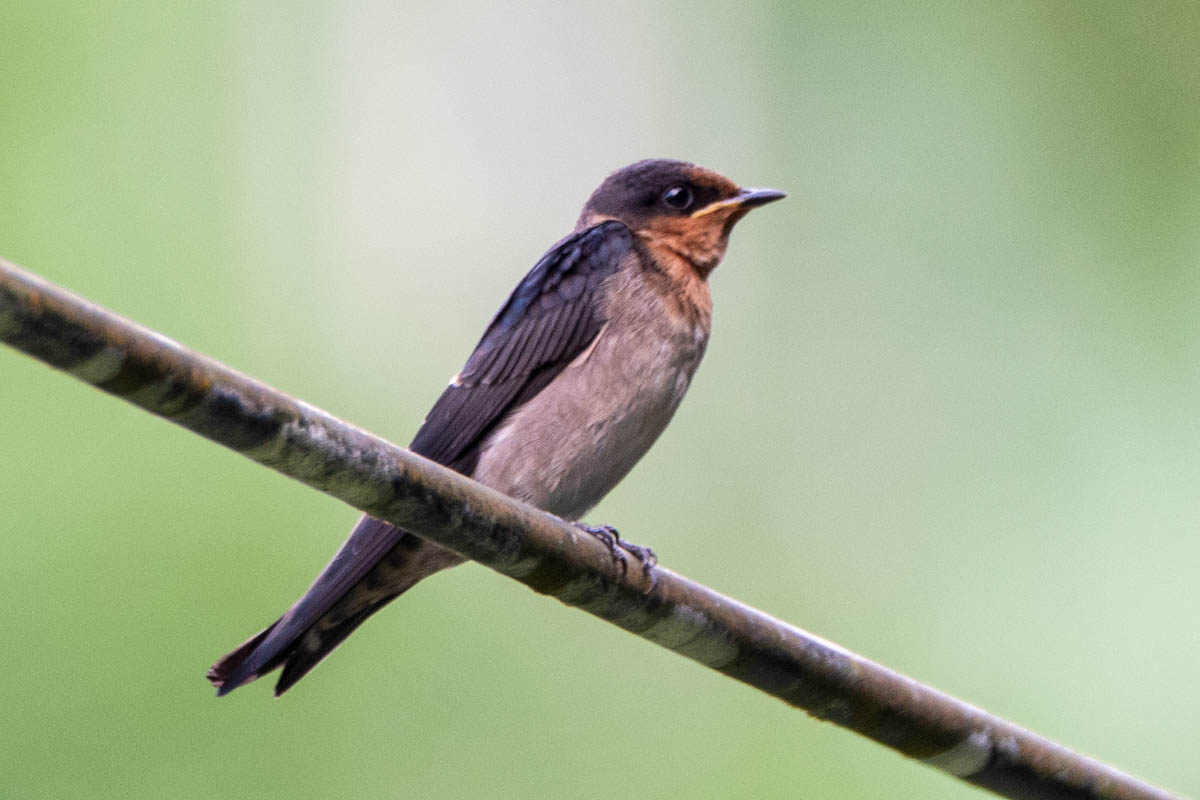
573	442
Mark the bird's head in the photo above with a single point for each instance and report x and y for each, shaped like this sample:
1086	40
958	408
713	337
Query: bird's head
685	208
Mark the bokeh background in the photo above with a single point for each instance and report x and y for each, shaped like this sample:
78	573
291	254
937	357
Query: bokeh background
948	417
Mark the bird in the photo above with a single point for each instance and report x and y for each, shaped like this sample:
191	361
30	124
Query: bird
571	383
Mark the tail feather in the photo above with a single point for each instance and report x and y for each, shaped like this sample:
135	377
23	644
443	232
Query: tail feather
375	565
219	673
301	659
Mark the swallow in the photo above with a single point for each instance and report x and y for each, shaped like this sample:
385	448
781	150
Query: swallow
574	379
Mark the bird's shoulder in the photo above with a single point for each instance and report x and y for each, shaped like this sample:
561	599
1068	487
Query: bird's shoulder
567	277
552	316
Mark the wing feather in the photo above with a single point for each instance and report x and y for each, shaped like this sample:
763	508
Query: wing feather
549	319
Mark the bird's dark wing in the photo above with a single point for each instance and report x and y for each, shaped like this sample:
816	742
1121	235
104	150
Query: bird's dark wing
550	318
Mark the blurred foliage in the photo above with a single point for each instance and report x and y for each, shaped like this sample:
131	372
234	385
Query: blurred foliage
948	417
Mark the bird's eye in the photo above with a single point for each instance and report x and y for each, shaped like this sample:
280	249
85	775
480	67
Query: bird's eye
678	197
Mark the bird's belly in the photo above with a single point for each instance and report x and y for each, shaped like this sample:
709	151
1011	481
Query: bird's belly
573	442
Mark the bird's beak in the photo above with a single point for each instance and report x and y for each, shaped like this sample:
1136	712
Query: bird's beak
746	198
759	197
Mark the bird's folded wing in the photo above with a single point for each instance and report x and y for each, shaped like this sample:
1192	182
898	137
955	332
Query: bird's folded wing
550	318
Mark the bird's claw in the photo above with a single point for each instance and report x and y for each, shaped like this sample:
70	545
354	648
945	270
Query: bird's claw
609	537
644	554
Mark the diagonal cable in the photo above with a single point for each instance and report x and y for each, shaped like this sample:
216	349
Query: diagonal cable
541	551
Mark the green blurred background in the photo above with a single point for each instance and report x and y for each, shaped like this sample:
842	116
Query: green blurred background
948	417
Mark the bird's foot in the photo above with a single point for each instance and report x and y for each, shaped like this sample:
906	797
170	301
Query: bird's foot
609	537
